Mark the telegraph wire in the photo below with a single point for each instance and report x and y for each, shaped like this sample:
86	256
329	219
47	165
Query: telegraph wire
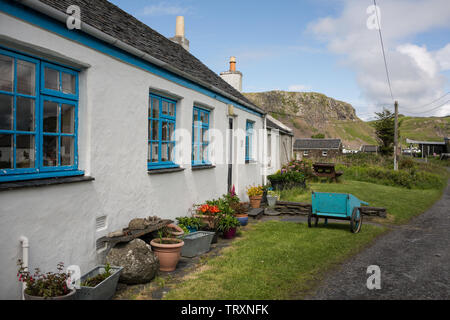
425	105
438	107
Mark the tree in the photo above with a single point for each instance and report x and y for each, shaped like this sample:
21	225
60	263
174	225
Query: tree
385	130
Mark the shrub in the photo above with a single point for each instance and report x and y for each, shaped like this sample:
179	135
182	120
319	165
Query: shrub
286	180
403	178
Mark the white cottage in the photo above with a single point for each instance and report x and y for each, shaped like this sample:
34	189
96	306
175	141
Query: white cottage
104	121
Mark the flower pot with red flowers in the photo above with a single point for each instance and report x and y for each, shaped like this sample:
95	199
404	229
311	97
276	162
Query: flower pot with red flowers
167	249
208	215
48	286
255	194
228	225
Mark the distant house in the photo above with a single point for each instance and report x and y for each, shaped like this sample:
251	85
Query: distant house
369	149
429	148
317	148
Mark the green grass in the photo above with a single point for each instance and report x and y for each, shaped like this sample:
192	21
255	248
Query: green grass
274	260
402	203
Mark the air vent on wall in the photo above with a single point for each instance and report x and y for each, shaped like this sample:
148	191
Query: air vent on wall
100	223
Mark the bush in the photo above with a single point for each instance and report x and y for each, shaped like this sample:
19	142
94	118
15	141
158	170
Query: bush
286	180
411	179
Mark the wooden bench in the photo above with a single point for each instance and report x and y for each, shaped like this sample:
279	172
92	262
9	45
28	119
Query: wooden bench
326	170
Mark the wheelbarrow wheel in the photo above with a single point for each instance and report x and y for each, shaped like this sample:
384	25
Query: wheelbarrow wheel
356	221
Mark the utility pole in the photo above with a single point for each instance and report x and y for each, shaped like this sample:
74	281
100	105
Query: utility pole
396	137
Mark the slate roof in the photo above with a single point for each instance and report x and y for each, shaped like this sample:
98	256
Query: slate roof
369	148
307	144
271	124
117	23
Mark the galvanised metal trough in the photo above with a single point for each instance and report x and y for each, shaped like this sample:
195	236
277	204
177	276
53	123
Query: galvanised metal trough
341	206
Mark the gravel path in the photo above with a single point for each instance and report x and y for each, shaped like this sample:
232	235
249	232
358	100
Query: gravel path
414	260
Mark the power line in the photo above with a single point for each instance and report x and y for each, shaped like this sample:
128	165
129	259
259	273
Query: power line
425	105
382	47
440	106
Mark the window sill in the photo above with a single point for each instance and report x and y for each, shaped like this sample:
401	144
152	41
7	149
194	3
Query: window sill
202	167
4	186
164	170
250	162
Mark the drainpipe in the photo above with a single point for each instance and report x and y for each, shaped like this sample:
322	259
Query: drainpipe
25	246
265	147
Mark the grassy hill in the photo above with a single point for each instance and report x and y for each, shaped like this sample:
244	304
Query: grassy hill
310	113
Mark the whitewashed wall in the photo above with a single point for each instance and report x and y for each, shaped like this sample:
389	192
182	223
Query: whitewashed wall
113	130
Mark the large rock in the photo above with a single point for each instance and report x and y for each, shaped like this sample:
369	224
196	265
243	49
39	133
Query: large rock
139	263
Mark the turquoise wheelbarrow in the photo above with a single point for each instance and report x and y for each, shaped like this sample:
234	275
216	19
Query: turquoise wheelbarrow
339	206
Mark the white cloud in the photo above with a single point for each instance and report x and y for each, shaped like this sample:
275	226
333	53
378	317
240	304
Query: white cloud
299	87
414	70
164	8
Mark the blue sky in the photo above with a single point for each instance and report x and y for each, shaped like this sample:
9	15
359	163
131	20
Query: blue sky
317	45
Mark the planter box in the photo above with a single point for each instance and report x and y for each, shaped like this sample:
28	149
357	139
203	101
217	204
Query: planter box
104	290
197	243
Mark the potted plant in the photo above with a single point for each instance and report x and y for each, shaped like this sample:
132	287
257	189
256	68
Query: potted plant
228	224
272	198
191	224
100	283
207	214
168	250
241	212
48	286
255	194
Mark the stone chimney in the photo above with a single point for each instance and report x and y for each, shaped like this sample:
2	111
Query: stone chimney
179	34
233	77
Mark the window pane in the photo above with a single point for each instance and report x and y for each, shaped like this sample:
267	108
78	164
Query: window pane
204	117
50	149
204	152
25	114
195	116
155	130
25	151
67	118
170	151
171	109
195	152
68	83
155	151
164	150
195	133
51	77
171	131
50	116
26	77
6	112
155	110
204	136
67	151
6	151
6	73
165	108
164	131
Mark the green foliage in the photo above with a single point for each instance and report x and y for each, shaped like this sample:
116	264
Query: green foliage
318	136
190	222
385	129
95	281
227	222
223	204
48	285
411	179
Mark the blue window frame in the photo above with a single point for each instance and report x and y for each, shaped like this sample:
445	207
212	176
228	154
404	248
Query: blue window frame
38	126
249	140
161	136
200	137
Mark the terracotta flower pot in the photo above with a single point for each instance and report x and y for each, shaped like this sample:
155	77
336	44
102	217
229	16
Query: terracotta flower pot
230	233
255	201
175	230
168	254
70	296
243	219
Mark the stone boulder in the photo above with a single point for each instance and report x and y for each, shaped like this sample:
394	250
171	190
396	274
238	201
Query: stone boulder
139	263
